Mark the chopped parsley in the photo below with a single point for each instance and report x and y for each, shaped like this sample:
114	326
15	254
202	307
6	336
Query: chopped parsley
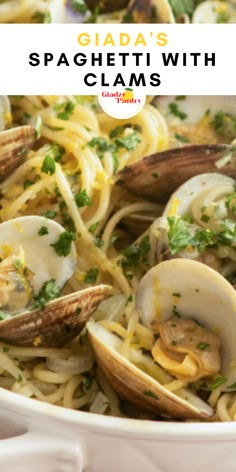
202	346
129	142
205	218
93	227
63	245
181	235
150	394
27	183
181	138
49	291
79	5
175	294
173	343
64	110
155	175
20	378
100	145
118	142
54	128
174	110
91	276
225	124
48	166
135	253
82	199
211	387
51	214
43	230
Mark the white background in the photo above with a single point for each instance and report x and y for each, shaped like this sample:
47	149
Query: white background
17	77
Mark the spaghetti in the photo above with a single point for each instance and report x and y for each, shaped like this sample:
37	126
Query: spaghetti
88	148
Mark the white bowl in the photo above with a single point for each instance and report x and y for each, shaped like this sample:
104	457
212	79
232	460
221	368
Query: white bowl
41	437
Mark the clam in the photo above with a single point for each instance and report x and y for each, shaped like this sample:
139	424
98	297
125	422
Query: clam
214	12
38	257
201	130
149	11
14	144
174	298
198	223
157	176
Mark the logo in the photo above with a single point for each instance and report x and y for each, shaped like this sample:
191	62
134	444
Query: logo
122	103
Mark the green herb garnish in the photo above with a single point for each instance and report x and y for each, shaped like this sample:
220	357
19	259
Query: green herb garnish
48	166
82	199
63	245
49	291
174	110
91	276
43	230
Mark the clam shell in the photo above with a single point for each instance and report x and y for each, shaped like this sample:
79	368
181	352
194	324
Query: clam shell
13	145
40	257
136	387
157	176
204	295
184	196
60	321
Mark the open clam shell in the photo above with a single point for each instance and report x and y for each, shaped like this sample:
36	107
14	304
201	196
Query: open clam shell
204	296
13	146
180	202
157	176
40	256
55	325
134	385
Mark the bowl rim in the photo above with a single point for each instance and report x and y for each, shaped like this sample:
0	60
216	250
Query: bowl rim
15	404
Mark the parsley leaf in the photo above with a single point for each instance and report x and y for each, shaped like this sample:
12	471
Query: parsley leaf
82	199
49	214
134	253
181	138
128	142
43	230
79	5
174	110
48	166
49	291
91	276
63	245
101	145
65	110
